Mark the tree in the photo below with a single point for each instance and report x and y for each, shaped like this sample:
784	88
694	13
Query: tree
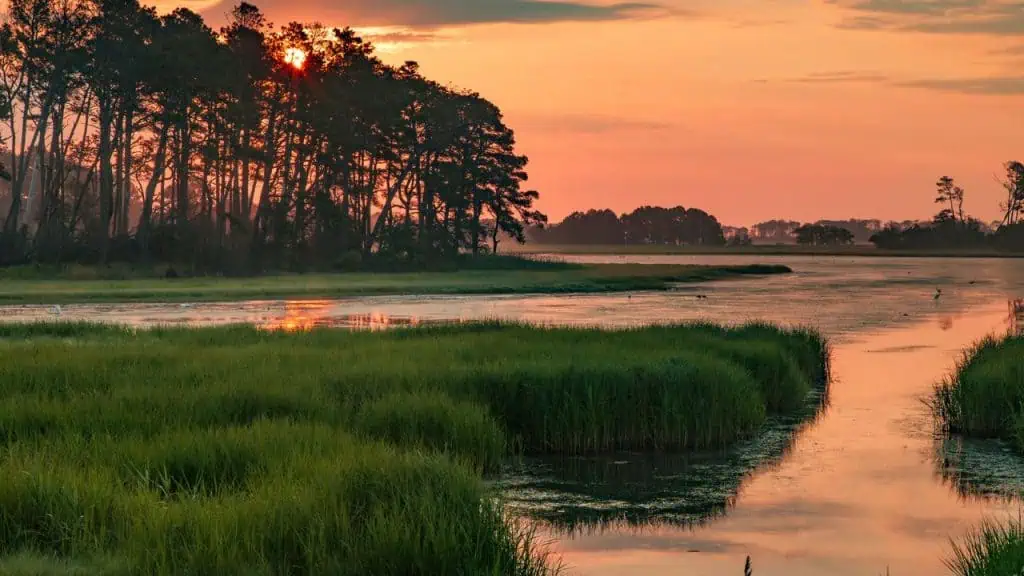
156	137
1014	186
947	192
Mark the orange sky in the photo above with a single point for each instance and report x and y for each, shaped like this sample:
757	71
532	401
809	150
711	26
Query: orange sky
750	109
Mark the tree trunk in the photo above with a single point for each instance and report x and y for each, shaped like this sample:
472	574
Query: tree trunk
145	219
106	177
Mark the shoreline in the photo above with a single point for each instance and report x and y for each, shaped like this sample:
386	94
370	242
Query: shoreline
588	279
785	250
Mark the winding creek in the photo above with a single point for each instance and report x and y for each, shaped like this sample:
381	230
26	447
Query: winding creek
857	485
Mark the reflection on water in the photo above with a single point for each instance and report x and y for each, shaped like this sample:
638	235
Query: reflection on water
1016	318
859	491
840	296
867	487
979	469
307	315
633	492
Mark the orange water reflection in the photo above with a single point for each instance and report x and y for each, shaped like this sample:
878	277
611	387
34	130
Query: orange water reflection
300	316
1016	317
858	494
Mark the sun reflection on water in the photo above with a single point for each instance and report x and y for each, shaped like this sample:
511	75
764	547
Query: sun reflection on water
302	316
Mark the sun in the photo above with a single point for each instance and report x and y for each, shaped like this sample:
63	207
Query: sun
295	57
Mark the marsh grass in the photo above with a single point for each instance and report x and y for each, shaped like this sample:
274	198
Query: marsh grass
994	549
24	287
240	451
984	397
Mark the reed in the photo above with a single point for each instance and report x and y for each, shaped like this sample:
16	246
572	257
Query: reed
239	451
993	549
984	397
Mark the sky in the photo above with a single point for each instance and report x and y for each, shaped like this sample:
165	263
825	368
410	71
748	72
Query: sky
748	109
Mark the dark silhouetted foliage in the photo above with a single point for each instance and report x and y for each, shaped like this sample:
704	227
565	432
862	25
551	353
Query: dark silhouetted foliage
645	225
818	235
137	136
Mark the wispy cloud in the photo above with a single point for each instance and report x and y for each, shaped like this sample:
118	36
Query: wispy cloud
988	85
839	76
997	85
588	123
989	17
436	13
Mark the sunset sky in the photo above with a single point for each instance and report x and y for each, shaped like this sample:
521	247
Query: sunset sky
749	109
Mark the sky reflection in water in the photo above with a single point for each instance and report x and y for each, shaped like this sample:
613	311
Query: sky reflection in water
864	487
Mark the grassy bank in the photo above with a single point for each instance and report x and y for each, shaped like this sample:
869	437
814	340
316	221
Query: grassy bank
237	451
21	286
760	250
984	398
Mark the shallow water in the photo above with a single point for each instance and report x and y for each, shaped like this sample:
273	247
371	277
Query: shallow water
862	487
838	295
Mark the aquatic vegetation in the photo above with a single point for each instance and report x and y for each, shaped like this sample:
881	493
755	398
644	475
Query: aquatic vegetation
993	549
241	451
984	398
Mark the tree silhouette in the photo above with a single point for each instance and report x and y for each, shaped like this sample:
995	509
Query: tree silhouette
132	135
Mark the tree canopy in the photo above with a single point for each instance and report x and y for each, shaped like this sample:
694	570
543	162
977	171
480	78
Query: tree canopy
130	135
645	225
821	235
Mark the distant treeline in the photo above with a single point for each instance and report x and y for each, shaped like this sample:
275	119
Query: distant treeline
951	228
645	225
785	231
128	135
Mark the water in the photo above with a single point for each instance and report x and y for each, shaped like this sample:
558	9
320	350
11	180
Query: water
858	487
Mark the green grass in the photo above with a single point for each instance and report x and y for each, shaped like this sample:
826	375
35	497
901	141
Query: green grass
21	286
239	451
991	550
984	398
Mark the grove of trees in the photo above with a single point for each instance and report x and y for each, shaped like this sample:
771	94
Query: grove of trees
952	228
823	235
645	225
128	135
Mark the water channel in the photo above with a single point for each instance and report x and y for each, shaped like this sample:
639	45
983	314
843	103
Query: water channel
858	484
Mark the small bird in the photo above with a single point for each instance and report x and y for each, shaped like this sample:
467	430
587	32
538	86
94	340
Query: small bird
701	297
55	310
185	306
938	294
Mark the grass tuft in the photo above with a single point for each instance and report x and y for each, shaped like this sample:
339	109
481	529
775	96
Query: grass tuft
991	550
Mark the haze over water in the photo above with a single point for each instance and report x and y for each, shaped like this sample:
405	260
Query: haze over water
864	486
